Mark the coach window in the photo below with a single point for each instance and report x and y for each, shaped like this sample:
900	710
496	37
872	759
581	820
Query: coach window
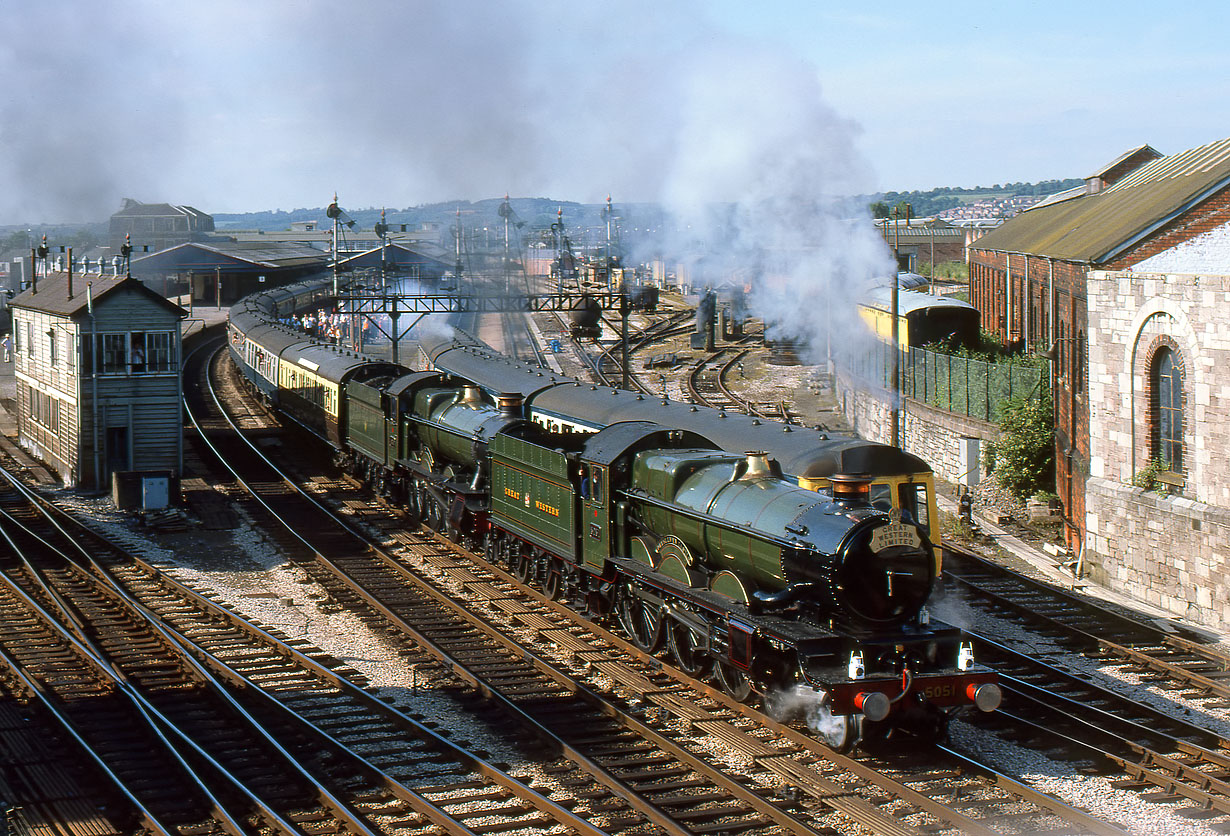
1166	379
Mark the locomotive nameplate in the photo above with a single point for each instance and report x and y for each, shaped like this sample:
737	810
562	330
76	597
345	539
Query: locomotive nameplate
895	534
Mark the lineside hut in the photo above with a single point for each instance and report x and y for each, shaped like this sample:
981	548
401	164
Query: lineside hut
97	370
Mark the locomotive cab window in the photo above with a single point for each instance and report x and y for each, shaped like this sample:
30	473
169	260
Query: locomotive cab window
596	479
882	497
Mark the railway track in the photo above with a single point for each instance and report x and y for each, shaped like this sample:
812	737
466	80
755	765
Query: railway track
533	694
162	717
624	713
1160	750
412	776
705	384
1161	649
608	366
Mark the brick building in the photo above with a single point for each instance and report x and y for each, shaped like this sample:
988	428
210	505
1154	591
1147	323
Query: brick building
922	243
151	227
1031	278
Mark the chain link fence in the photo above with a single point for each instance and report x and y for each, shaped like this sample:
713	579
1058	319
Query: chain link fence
961	385
970	387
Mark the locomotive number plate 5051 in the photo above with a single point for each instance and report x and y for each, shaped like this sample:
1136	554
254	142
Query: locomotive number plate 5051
895	534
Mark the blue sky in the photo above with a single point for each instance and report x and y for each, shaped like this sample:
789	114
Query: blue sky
238	106
974	93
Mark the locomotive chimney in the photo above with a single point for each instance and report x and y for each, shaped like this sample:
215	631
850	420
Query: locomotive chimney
471	396
757	465
510	405
851	487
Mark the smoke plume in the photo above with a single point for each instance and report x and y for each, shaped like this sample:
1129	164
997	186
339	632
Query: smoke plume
233	106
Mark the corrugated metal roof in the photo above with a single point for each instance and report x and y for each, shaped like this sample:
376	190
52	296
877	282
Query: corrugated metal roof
1059	197
269	255
1096	228
1126	155
156	209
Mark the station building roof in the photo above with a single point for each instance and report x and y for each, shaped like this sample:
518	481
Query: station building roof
397	256
1095	227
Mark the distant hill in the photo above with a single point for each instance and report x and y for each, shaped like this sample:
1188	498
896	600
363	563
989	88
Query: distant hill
535	214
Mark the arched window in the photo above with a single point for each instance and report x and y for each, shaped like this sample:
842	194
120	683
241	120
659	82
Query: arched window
1166	379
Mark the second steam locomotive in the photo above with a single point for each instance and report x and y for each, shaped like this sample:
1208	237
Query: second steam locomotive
813	600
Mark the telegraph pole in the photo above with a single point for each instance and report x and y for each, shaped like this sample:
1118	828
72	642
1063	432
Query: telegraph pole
895	434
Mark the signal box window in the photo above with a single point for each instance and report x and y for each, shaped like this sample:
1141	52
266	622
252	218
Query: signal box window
136	351
114	353
158	351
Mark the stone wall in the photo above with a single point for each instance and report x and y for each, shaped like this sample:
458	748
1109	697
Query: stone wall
1170	550
932	434
1130	316
1165	550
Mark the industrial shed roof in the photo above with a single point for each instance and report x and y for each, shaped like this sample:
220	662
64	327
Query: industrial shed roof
398	255
199	255
1095	228
134	208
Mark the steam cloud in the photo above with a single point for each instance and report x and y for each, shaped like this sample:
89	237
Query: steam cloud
234	106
